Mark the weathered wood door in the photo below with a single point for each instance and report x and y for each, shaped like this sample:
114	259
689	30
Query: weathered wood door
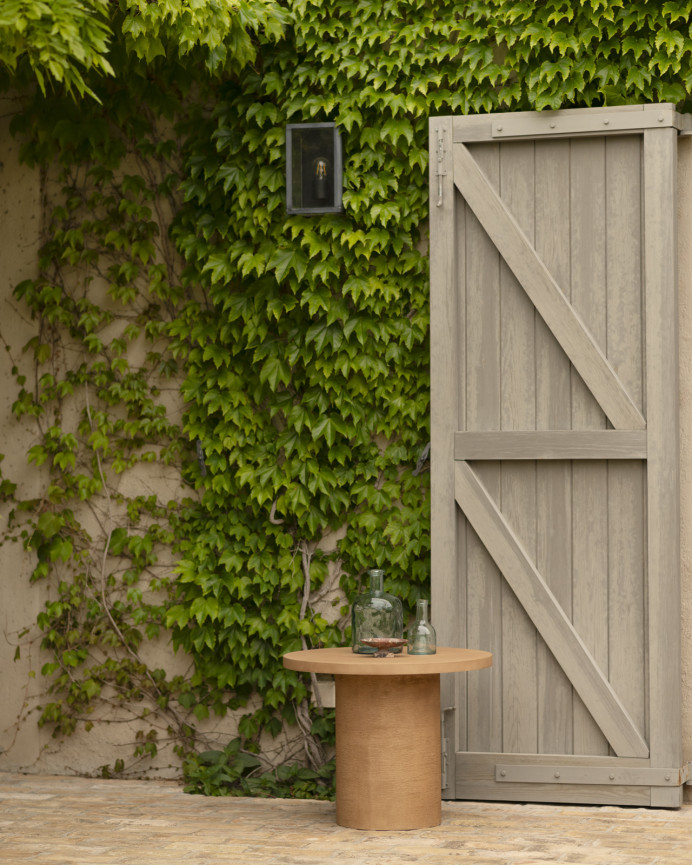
555	452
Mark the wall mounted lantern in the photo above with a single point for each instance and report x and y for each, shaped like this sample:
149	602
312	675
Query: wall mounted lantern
313	168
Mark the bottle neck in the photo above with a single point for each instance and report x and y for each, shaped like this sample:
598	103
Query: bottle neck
376	581
422	610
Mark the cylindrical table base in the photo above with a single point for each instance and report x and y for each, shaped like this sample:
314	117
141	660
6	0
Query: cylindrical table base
388	751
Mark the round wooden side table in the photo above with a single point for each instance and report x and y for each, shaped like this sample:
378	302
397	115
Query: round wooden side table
387	732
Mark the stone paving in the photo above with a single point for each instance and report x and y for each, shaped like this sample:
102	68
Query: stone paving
79	821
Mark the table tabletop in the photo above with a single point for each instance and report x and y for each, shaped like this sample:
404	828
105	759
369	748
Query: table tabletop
343	661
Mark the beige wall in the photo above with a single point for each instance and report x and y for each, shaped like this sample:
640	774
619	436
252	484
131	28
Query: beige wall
19	603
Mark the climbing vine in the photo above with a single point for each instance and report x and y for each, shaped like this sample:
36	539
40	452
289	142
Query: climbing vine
108	284
298	344
73	42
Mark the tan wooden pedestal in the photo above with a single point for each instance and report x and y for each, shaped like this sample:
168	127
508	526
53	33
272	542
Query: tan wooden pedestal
387	732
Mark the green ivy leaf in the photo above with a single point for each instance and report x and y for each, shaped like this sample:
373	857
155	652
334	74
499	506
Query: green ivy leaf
274	372
285	259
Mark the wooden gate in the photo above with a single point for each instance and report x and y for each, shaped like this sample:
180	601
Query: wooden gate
555	513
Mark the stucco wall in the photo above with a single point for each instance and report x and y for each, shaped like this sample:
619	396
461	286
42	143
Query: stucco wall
19	603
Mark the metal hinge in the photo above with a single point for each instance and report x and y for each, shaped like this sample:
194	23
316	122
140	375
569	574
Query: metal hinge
441	153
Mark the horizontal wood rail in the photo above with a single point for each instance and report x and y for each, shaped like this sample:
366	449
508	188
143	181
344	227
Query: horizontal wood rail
559	773
551	445
569	122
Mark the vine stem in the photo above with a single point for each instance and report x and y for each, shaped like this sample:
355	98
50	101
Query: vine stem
273	519
306	552
313	748
106	607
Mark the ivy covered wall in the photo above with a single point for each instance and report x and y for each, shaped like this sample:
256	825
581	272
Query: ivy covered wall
240	523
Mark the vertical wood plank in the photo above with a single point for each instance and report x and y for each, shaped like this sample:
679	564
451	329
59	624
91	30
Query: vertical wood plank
553	369
587	261
518	485
663	506
624	262
626	480
444	274
484	588
484	582
684	191
482	334
626	589
589	586
553	411
589	479
454	686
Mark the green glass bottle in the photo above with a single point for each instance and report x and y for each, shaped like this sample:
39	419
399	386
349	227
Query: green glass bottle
375	614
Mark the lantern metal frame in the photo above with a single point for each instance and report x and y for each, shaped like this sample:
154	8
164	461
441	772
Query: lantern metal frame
297	156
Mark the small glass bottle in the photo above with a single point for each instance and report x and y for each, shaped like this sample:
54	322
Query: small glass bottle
375	614
422	639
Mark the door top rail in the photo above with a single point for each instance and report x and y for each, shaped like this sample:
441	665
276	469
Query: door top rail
568	122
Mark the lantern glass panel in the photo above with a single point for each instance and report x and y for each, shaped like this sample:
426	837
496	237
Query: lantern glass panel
314	168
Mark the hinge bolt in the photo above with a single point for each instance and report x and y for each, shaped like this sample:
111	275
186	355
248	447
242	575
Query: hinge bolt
557	774
612	777
667	777
503	772
660	118
499	128
606	121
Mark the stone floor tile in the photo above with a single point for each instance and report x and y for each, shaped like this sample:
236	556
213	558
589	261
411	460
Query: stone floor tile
78	821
